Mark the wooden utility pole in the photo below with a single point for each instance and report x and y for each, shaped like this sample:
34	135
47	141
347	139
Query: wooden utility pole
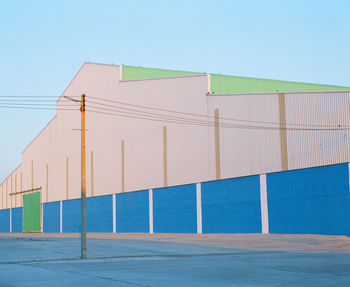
83	180
83	177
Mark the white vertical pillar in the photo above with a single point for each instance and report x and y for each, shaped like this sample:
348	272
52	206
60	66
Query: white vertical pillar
349	175
199	207
114	214
150	208
61	216
42	217
11	219
263	204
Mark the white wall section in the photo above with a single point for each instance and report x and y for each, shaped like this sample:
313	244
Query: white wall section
199	207
263	204
61	223
114	214
150	202
349	175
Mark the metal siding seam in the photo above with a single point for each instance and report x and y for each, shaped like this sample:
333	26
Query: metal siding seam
217	144
283	131
263	204
150	206
61	216
199	207
114	214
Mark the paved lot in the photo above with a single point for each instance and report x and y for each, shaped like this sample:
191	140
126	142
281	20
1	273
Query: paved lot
174	260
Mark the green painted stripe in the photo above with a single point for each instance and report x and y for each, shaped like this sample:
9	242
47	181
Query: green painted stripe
221	84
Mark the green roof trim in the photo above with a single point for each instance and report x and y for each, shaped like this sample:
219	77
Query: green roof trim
222	84
137	73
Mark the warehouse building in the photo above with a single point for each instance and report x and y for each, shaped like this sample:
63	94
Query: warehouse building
173	151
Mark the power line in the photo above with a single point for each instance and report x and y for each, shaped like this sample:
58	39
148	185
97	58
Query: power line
186	121
36	108
139	114
155	115
28	100
29	97
201	115
37	104
149	115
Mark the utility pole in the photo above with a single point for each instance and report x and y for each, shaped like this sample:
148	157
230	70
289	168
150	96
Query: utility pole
83	180
83	177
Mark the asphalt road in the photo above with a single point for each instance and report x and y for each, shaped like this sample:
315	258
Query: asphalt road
174	260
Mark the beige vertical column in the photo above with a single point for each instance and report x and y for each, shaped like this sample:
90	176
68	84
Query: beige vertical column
165	156
16	190
92	173
67	174
32	174
217	143
283	131
47	183
123	166
21	195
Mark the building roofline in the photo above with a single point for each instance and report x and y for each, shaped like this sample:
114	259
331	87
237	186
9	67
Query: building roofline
42	130
165	78
280	92
77	73
18	166
242	77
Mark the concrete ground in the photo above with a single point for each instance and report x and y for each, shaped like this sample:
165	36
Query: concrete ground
174	260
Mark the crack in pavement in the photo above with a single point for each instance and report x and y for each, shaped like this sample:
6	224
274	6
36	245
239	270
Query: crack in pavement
90	275
38	261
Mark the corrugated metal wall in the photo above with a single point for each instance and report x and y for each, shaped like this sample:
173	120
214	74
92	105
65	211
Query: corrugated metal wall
246	139
318	110
304	201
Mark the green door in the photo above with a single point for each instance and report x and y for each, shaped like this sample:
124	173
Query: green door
31	212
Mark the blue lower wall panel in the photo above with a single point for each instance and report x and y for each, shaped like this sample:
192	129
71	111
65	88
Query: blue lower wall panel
174	209
71	215
231	205
17	219
310	201
51	220
99	214
5	220
132	212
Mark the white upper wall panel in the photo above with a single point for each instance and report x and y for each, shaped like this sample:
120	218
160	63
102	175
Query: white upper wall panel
318	110
246	149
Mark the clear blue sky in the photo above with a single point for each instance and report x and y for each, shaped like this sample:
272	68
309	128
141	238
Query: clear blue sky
44	43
